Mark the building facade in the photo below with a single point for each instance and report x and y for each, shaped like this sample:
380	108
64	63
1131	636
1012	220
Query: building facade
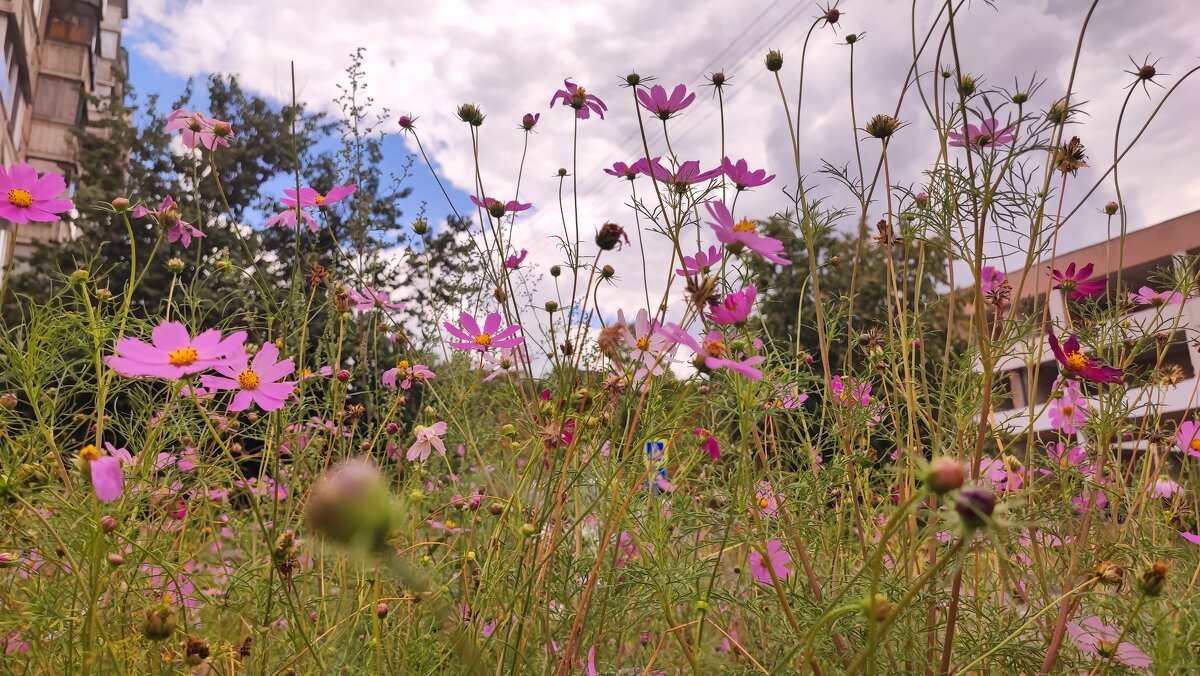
1142	256
56	54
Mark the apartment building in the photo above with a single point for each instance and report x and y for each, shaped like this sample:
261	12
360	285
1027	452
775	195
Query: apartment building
56	52
1143	252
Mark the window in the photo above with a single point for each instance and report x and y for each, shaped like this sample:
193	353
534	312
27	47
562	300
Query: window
110	44
58	100
73	22
17	120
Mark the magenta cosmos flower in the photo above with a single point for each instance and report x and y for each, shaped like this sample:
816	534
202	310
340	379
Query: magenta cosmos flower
701	263
257	381
30	197
1077	363
168	216
173	353
742	177
1068	457
513	262
983	136
497	208
1070	411
370	299
687	173
1076	282
577	97
777	560
657	101
622	170
990	279
198	130
1187	438
106	472
708	443
766	500
412	373
428	438
736	307
309	197
713	353
743	234
850	392
482	340
1148	296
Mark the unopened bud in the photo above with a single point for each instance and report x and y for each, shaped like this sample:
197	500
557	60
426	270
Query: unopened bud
420	226
975	506
555	271
607	272
1111	208
115	560
108	523
945	474
551	306
774	61
381	610
120	204
175	265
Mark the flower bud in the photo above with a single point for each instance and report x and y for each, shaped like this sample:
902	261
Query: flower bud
633	79
80	276
922	200
175	265
878	608
774	61
500	294
607	272
391	428
497	209
610	236
406	122
120	203
103	294
8	560
717	79
381	610
496	509
222	128
528	530
555	270
1154	579
882	126
562	171
1111	208
8	400
420	226
551	306
223	265
975	506
343	376
967	85
529	121
108	523
161	621
1020	97
115	559
352	504
470	113
945	474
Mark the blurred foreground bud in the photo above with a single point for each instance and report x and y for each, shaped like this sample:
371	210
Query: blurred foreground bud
120	203
945	474
975	506
351	504
1154	579
195	651
161	621
610	236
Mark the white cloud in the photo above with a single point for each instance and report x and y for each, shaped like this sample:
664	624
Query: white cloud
426	58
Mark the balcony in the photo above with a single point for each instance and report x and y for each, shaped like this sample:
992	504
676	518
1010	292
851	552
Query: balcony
68	61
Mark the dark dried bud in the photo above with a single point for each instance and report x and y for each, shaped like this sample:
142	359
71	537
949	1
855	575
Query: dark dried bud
555	270
717	79
341	302
633	79
832	15
195	652
470	113
1020	97
774	61
1069	158
351	504
500	294
610	236
161	621
567	348
975	506
1147	72
551	306
1111	208
115	559
1110	574
851	39
496	509
607	272
317	274
1154	579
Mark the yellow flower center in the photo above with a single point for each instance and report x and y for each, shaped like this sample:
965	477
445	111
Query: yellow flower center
450	523
643	343
715	348
580	92
484	339
763	503
745	225
778	403
184	356
1068	410
20	198
248	380
168	598
1077	361
1194	444
318	199
402	364
89	452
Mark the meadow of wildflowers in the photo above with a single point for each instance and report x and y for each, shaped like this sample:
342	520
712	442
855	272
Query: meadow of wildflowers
316	475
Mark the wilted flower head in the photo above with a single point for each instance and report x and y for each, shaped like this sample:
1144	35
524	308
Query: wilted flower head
1069	158
882	126
577	97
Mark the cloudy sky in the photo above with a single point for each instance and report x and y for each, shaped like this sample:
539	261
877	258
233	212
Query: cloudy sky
425	58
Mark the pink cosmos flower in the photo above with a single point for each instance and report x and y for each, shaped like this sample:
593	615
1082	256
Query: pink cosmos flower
30	197
786	399
1069	412
414	373
701	263
167	214
1068	458
288	219
742	177
370	299
713	353
735	236
428	438
1000	474
777	561
1166	489
257	381
491	336
622	170
1190	537
1148	296
198	130
502	362
657	101
652	167
1187	438
1079	364
689	173
497	208
309	197
708	443
990	279
766	500
577	97
850	392
108	477
646	344
736	307
173	353
1093	636
514	261
983	136
1076	282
